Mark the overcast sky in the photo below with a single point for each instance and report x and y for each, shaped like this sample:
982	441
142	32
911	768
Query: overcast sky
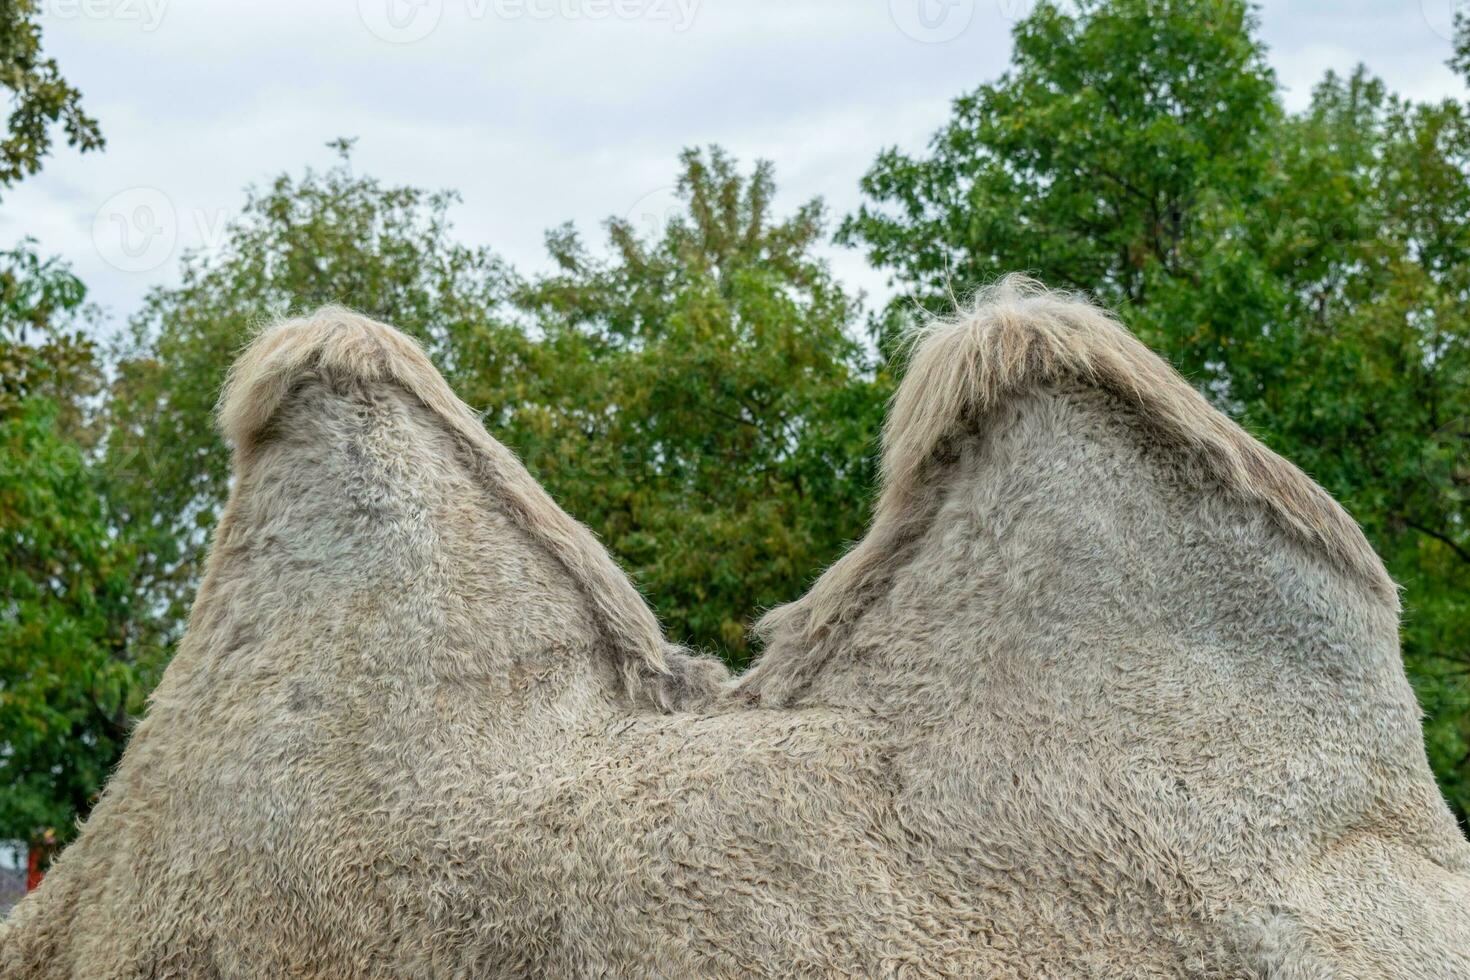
545	111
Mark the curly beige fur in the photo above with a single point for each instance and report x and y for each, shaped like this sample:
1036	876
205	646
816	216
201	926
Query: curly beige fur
1108	690
1021	337
337	341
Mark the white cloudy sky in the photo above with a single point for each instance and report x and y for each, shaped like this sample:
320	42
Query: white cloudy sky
544	111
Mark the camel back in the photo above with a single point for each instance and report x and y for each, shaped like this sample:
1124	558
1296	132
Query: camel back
390	602
1135	649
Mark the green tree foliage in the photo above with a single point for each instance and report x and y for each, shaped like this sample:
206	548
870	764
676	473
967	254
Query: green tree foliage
45	344
1308	271
70	671
75	666
326	237
39	97
1087	162
71	675
699	399
109	481
1365	378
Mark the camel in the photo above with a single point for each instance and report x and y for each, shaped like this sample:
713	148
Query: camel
1109	689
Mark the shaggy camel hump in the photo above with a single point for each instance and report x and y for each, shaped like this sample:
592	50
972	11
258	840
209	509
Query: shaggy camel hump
392	609
336	342
1148	660
967	372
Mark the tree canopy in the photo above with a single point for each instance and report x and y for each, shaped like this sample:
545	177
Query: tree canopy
40	98
77	656
74	671
299	242
698	386
700	398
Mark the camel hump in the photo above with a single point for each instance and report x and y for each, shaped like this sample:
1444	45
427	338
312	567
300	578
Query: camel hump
1021	337
1095	610
971	374
337	343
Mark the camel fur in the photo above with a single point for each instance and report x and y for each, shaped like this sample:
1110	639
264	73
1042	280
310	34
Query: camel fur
1108	690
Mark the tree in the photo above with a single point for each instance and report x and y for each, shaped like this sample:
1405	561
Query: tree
75	666
72	672
1310	272
699	398
104	509
45	344
328	237
1087	163
40	97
